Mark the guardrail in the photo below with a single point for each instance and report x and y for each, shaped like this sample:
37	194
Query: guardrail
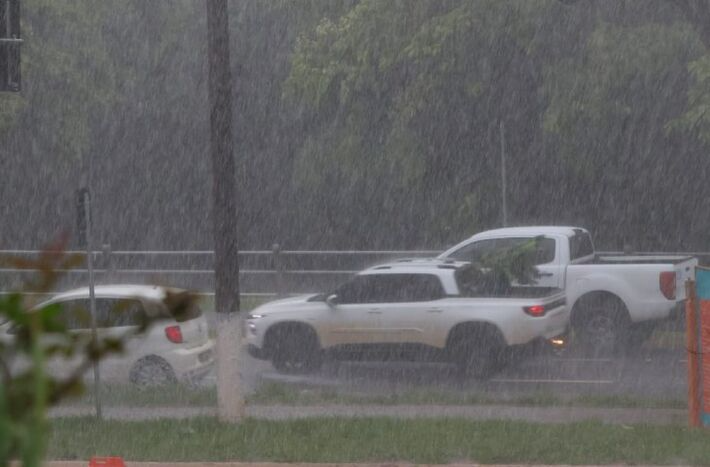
262	272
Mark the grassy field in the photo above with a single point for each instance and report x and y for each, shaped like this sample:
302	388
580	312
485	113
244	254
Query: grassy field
274	393
379	440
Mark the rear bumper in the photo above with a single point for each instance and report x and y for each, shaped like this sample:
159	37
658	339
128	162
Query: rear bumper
192	363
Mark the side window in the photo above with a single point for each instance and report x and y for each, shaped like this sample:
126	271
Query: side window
76	314
115	312
421	288
358	290
110	312
474	251
544	253
391	288
580	245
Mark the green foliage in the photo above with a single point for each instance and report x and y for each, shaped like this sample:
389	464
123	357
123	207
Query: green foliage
697	118
497	271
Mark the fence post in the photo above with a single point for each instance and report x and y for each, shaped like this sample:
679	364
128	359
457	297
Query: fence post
107	260
278	267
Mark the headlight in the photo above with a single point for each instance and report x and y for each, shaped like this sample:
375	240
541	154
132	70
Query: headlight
252	328
255	316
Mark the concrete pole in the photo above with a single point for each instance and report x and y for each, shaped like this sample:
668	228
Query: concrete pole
224	213
503	180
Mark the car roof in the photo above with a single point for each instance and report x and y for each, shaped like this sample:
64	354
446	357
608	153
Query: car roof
151	292
530	230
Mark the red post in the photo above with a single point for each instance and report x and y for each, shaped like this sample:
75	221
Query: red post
692	346
106	462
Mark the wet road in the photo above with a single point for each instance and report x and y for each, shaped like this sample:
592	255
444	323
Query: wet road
648	374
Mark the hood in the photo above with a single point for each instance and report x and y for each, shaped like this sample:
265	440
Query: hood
284	305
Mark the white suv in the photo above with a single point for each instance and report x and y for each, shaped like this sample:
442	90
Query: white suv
407	310
166	352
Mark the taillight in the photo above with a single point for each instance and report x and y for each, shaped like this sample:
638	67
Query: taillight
174	334
535	310
666	281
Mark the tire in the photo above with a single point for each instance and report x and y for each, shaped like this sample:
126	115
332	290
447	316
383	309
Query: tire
152	371
477	355
601	325
295	350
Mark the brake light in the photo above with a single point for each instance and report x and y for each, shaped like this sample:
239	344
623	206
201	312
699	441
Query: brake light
666	282
535	310
174	334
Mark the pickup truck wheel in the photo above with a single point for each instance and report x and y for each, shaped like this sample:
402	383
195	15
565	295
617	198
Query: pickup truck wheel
295	351
477	357
601	324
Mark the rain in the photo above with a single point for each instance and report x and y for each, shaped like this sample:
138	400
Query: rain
370	133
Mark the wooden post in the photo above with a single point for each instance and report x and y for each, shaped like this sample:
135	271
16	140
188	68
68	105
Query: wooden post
693	350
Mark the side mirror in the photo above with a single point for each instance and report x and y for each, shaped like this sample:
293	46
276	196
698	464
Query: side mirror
331	300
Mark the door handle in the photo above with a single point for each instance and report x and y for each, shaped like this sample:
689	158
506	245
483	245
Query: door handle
374	312
434	310
545	274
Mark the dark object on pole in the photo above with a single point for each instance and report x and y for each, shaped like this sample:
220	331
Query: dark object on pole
81	197
224	181
278	267
10	42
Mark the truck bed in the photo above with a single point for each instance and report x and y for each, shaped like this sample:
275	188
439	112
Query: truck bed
522	292
638	259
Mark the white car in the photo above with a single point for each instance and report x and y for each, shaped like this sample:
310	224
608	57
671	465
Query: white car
168	351
410	310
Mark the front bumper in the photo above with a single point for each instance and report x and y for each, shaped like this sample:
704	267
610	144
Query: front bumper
256	352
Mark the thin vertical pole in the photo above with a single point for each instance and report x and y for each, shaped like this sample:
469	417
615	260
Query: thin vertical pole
92	300
692	346
503	180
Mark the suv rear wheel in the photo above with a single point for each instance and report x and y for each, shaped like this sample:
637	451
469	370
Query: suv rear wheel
477	355
152	371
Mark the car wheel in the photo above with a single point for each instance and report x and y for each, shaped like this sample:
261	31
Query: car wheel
602	325
477	357
152	371
295	351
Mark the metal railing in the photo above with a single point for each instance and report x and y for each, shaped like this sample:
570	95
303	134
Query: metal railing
262	272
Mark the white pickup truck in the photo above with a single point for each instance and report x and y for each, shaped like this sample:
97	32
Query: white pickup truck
615	301
412	310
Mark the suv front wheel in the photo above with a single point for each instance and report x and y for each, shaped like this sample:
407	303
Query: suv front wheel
295	350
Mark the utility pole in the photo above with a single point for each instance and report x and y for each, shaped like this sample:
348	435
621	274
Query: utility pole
503	180
224	214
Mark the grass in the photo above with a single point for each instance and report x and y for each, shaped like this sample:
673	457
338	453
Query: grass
168	396
275	393
331	439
